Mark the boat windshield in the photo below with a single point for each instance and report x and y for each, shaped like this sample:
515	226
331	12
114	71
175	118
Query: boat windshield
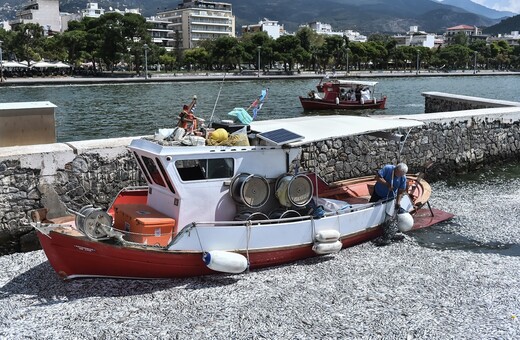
200	169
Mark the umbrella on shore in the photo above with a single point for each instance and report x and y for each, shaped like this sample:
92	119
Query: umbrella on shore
13	64
61	64
42	64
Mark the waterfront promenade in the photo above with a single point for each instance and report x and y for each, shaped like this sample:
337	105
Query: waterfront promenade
218	76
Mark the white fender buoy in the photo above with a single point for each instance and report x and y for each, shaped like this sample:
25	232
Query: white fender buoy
225	261
404	222
327	236
327	248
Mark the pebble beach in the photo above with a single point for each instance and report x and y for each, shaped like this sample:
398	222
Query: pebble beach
421	288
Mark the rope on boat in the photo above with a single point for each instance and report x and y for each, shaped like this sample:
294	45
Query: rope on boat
193	226
248	226
216	100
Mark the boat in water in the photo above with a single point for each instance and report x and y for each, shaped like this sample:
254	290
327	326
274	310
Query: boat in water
227	208
336	94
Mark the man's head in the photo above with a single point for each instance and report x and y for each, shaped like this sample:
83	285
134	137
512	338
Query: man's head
401	169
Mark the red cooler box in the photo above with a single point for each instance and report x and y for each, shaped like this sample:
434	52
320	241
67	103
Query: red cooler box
144	224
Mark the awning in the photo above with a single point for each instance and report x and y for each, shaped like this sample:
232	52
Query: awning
42	64
13	64
319	128
61	64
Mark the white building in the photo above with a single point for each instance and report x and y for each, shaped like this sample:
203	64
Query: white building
512	39
414	37
272	28
160	33
321	28
326	29
355	36
194	21
92	11
45	13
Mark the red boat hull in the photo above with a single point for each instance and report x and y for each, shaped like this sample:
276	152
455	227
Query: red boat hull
321	104
77	256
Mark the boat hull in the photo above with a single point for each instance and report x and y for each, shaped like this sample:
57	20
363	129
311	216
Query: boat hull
75	256
321	104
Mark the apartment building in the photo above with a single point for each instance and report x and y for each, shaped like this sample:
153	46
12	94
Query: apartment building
414	37
271	27
194	21
46	13
472	32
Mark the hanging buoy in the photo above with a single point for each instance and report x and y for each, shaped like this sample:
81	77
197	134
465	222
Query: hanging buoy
225	261
327	236
327	248
404	222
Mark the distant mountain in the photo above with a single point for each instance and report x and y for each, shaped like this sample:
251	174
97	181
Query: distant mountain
365	16
473	7
505	26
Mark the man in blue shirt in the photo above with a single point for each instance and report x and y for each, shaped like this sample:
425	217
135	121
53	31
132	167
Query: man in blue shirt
390	183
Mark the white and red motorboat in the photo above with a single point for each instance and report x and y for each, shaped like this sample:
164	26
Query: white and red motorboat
209	209
338	94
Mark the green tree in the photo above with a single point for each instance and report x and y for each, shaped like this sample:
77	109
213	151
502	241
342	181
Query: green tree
27	41
287	51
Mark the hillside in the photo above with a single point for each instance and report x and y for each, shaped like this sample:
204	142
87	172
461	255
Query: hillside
366	16
475	8
505	26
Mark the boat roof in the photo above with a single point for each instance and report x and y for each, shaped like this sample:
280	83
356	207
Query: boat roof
354	82
319	128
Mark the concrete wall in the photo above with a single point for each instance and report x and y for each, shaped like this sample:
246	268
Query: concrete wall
27	123
57	176
444	102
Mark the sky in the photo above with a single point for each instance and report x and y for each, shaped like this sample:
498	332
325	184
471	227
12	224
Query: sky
501	5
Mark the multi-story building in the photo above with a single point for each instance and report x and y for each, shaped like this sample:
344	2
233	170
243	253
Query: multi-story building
272	28
414	37
472	32
92	11
326	29
46	13
321	28
512	39
194	21
160	33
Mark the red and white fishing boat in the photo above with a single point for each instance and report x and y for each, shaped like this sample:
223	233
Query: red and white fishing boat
209	209
344	95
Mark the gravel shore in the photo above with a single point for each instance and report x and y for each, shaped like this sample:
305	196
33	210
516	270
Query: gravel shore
421	288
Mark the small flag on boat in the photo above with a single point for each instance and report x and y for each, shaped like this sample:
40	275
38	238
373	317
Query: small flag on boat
242	114
259	102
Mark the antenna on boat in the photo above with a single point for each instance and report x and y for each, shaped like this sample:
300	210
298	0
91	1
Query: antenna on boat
216	100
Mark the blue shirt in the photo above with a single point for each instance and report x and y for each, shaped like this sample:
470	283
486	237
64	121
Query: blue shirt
398	182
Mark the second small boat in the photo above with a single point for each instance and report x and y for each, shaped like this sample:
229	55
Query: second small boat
344	95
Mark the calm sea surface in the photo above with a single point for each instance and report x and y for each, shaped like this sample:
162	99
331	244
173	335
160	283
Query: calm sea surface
121	110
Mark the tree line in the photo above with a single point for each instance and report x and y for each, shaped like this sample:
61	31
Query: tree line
116	41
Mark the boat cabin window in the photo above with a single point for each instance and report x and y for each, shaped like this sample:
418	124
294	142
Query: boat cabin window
165	175
198	169
153	171
143	169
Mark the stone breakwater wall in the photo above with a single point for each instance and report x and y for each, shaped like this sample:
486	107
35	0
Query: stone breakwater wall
445	102
72	175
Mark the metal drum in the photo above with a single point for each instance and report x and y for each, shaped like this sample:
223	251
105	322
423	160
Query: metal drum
251	216
250	190
294	191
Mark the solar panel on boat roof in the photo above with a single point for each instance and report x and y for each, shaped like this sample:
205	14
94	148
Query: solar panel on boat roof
280	136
